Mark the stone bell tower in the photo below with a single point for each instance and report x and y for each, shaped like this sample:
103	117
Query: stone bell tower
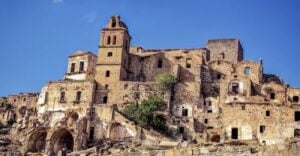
113	52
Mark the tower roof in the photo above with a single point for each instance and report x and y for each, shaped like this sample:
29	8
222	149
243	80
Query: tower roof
116	23
81	53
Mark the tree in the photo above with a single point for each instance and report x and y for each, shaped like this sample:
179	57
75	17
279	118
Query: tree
165	81
147	114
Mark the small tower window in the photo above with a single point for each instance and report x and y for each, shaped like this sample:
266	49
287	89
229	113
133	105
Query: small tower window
160	64
114	40
109	54
247	71
108	40
107	73
205	121
72	67
81	67
113	23
271	93
62	97
105	99
24	99
106	86
78	96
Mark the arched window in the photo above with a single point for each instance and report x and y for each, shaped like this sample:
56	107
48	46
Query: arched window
107	73
271	93
109	54
108	40
114	40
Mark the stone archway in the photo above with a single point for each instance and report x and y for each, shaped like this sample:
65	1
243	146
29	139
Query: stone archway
37	141
62	140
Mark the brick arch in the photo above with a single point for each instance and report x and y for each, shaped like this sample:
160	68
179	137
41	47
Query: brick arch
59	138
36	141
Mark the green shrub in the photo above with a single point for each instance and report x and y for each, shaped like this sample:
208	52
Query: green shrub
146	114
165	81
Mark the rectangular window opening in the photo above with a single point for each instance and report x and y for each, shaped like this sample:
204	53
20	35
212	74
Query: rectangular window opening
62	96
78	96
272	96
159	64
297	116
295	98
243	107
184	112
107	73
181	130
81	66
92	131
262	128
268	113
234	133
72	67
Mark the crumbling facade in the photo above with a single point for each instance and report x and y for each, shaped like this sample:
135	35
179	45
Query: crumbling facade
219	98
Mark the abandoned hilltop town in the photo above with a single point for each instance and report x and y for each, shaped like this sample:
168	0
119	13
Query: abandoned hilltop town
134	101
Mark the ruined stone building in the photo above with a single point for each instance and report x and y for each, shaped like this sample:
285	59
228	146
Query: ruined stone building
219	98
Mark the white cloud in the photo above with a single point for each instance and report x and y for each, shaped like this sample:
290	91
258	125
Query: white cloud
57	1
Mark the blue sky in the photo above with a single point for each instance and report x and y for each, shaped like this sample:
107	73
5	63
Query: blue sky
36	36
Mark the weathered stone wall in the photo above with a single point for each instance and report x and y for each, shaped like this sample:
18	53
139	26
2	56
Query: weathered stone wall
53	102
145	65
24	104
227	49
248	118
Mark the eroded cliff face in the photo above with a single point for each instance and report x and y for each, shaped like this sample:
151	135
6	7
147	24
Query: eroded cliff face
220	104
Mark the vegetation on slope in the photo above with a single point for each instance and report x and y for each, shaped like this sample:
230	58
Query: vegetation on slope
147	114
